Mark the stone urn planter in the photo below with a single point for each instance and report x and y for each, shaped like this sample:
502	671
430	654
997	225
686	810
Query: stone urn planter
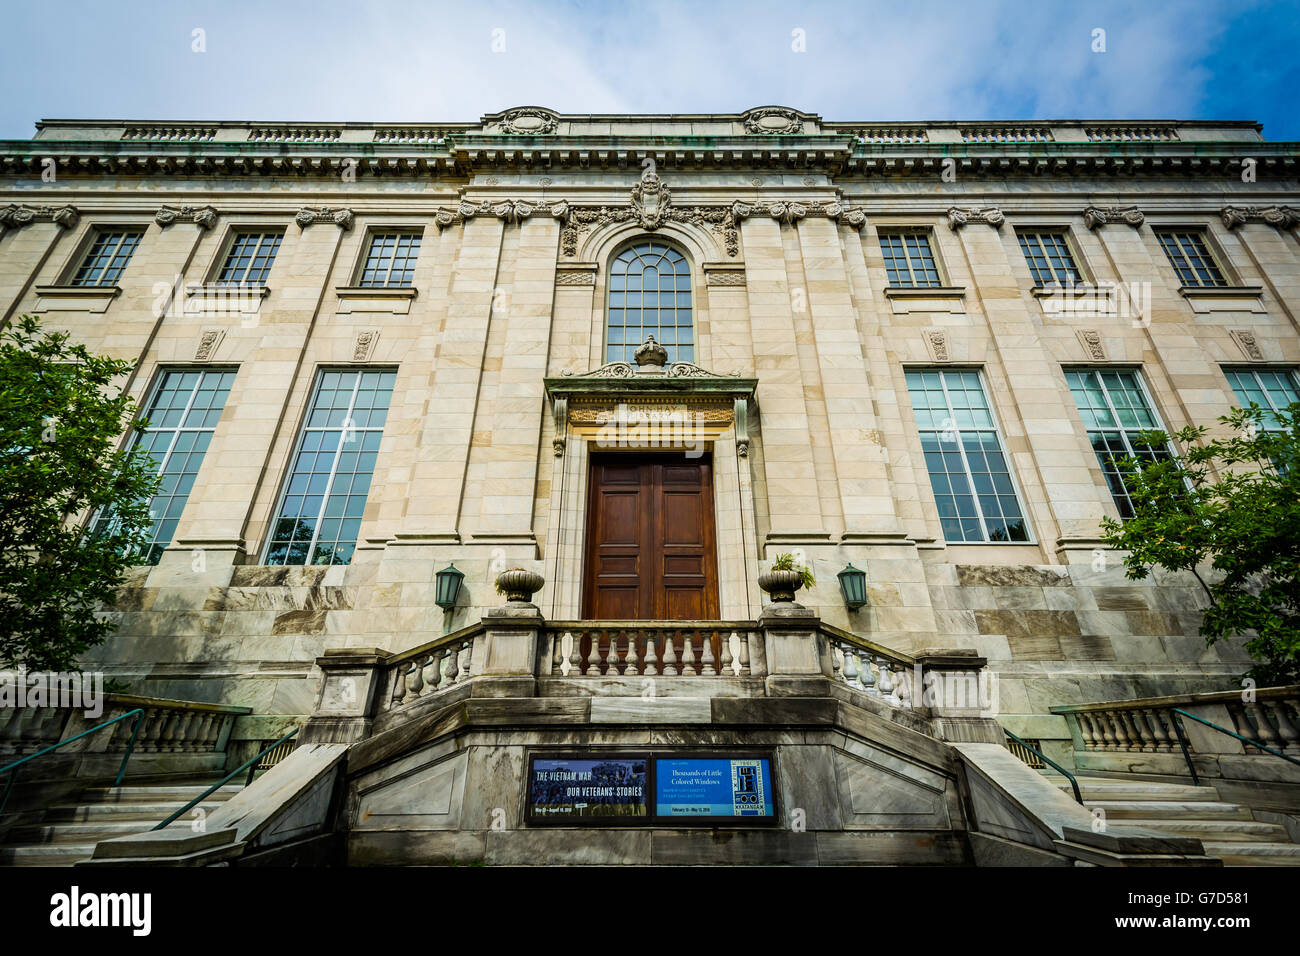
780	585
519	585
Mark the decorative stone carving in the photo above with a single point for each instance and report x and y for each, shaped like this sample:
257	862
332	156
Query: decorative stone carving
740	415
308	216
16	216
991	215
1246	341
650	206
850	216
936	341
773	121
1092	344
528	122
650	353
209	339
1279	217
724	277
205	217
1094	216
782	211
650	200
575	277
364	346
509	211
561	410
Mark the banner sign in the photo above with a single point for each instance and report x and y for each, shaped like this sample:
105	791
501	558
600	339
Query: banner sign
635	789
587	789
713	787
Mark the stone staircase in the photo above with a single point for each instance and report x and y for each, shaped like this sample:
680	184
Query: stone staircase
68	832
1226	830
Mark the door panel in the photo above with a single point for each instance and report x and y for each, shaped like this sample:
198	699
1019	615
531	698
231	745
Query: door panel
650	539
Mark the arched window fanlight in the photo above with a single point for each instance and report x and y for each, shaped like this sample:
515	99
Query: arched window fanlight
649	294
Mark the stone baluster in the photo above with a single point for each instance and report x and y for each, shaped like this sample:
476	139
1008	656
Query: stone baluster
1286	728
1086	734
1240	722
433	670
851	668
181	739
557	654
903	690
1123	738
453	665
651	654
1103	725
727	665
744	653
689	667
1145	738
706	655
11	724
866	675
1264	731
670	655
886	680
1157	721
631	670
415	679
463	661
591	666
575	654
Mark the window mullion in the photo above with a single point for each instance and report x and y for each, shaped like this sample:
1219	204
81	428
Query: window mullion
970	478
334	467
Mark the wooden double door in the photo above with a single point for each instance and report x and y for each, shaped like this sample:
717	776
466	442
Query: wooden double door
650	539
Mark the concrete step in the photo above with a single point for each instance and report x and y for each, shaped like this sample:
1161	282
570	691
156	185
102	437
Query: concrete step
182	794
1170	809
51	854
1253	854
1105	789
92	812
75	832
1231	831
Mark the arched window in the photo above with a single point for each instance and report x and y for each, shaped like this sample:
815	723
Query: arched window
650	294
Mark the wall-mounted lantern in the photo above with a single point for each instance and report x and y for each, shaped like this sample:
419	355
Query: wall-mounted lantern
447	586
853	583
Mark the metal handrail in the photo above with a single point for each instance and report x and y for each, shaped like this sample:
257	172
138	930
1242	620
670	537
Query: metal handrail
222	782
1224	730
1074	784
12	769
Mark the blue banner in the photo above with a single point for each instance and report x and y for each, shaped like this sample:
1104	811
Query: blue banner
712	787
581	789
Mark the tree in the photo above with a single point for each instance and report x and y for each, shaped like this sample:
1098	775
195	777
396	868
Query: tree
60	419
1233	501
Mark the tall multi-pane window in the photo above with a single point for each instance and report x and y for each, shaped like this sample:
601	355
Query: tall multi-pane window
1272	389
107	256
973	488
182	415
1191	258
650	294
1049	257
390	260
908	260
1115	409
250	258
324	498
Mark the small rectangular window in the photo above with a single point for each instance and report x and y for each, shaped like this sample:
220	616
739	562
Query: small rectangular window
320	511
909	262
182	416
1049	257
250	258
390	260
108	255
973	487
1190	256
1272	389
1114	408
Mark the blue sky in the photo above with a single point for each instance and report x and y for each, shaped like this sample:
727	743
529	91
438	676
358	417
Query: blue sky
870	60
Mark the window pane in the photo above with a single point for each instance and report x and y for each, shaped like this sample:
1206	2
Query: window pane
325	494
1189	254
107	257
650	295
972	484
390	260
177	448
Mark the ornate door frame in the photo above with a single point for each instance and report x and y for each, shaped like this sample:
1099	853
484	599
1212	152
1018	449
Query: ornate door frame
678	407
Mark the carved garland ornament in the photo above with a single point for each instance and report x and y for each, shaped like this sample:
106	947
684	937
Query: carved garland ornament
991	215
1092	344
308	216
17	216
1248	344
1094	216
509	211
789	212
205	217
528	122
1279	217
773	121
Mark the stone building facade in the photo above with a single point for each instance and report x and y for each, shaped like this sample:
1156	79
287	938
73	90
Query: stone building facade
874	348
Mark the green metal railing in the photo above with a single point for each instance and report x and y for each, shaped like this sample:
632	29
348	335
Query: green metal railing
223	781
12	769
1223	730
1074	784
